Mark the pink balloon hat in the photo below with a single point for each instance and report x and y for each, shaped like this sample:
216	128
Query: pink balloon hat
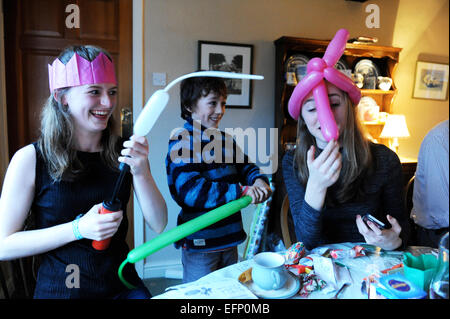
318	69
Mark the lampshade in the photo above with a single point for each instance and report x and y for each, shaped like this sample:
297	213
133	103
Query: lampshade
395	126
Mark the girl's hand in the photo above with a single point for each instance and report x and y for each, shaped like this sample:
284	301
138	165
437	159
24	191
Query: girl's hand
98	227
325	169
135	154
387	239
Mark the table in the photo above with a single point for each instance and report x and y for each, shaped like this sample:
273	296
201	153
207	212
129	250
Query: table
224	283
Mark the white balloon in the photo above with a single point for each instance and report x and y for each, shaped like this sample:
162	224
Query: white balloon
158	101
151	112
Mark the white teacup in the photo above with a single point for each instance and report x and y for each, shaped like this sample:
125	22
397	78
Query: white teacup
269	271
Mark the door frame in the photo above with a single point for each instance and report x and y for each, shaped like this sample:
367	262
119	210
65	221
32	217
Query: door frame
138	98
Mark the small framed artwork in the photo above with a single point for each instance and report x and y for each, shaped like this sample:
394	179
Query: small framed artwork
229	57
431	81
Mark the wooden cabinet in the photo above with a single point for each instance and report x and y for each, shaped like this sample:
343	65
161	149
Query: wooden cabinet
385	58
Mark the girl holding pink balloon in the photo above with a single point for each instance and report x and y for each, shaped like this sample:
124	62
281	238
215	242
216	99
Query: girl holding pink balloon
335	175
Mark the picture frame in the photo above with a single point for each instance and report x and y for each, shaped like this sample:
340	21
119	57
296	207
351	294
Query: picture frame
431	81
229	57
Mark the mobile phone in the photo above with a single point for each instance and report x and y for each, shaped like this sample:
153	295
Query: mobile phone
366	218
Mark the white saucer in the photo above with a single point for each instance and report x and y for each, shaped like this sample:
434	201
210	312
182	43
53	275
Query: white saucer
290	288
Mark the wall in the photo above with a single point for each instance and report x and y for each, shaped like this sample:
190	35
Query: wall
172	29
421	29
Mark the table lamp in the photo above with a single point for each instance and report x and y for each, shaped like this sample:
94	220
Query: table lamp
394	128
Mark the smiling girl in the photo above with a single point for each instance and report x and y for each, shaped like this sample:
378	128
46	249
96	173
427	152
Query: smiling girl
330	185
64	177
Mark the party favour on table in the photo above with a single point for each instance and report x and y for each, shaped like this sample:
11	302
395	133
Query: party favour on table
299	269
306	261
245	276
356	251
310	283
319	69
305	265
373	278
258	225
334	275
419	269
397	286
294	253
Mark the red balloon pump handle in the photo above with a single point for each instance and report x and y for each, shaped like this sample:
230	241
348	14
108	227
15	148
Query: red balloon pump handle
107	207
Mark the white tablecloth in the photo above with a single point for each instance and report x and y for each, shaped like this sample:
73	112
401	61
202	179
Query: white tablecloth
224	283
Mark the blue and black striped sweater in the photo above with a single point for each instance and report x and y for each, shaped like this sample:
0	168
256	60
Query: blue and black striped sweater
205	170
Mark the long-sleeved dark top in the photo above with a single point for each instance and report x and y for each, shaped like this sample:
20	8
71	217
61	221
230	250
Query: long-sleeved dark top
202	178
382	195
60	202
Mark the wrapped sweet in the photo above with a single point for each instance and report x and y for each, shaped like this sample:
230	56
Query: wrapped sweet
310	283
294	253
356	251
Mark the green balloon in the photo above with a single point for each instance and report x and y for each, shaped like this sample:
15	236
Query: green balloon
187	229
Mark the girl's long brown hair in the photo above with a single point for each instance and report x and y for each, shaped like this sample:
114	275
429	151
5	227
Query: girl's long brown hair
57	139
356	157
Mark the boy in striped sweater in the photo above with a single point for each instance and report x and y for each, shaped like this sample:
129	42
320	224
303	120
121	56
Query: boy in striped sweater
206	169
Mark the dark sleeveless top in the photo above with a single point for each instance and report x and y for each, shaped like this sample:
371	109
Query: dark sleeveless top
56	203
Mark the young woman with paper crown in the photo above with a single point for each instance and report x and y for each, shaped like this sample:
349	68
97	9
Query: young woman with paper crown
69	171
335	175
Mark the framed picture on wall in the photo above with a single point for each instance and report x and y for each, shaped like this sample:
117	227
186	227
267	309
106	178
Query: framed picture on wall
431	81
229	57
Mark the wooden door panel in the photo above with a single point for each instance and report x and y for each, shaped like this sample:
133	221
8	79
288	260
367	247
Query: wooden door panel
41	18
103	26
35	71
35	33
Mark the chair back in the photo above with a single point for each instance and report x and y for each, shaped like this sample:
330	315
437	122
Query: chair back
284	222
408	193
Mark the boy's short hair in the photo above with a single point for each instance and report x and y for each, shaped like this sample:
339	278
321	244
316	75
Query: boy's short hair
192	89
